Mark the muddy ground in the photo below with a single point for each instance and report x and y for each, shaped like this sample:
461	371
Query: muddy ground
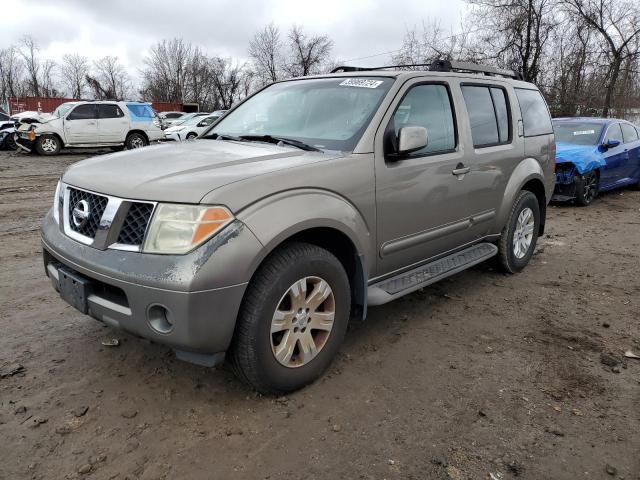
481	374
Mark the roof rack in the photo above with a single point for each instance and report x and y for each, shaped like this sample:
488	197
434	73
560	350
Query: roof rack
440	65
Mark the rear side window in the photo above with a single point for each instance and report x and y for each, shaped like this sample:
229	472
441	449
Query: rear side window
629	133
428	106
535	114
110	111
83	112
488	115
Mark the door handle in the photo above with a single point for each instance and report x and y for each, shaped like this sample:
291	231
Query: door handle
91	123
460	170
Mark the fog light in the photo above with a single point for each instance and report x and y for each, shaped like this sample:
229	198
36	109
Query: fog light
160	318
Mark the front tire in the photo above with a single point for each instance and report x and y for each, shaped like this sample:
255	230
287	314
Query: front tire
135	140
292	320
191	136
48	145
587	188
520	234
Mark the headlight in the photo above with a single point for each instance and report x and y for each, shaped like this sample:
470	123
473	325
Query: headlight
56	203
179	229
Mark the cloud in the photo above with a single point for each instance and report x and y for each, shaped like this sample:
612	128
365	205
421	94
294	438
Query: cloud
127	28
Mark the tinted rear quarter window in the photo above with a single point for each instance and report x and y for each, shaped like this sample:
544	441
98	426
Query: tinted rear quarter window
535	114
629	133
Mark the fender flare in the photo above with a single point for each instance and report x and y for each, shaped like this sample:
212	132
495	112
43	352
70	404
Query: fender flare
281	216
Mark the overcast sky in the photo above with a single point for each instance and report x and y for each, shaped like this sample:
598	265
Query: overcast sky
127	28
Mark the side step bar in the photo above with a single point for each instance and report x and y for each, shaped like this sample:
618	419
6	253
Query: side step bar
407	282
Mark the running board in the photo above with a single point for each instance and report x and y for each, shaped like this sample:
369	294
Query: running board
407	282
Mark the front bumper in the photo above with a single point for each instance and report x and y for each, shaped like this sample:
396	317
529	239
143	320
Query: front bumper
202	291
172	137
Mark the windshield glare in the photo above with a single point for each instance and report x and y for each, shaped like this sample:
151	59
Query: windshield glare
327	113
191	120
577	133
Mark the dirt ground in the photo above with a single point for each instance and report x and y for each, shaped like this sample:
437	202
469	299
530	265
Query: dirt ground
483	376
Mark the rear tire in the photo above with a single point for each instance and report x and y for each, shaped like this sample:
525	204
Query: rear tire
587	188
48	145
270	322
136	140
520	234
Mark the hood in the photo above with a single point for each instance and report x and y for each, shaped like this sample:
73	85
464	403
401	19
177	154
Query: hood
183	172
585	157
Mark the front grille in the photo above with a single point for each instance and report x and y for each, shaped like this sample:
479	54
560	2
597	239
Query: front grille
97	204
135	224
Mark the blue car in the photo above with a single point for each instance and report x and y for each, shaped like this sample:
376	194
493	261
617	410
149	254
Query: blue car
594	155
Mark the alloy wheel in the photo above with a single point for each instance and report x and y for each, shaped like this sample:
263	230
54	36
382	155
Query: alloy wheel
523	233
302	322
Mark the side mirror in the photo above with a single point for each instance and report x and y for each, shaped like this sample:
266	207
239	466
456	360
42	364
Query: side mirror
611	144
412	139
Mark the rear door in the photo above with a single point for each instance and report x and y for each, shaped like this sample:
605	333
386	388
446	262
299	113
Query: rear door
617	158
81	125
113	125
632	144
493	153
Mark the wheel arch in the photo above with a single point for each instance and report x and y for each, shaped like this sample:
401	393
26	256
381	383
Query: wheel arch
137	130
528	175
336	226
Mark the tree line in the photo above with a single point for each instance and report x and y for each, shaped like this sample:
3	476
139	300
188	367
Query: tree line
583	54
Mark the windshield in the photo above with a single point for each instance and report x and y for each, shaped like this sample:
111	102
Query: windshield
327	113
577	133
62	110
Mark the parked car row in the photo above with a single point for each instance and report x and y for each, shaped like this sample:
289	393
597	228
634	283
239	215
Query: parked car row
189	127
117	125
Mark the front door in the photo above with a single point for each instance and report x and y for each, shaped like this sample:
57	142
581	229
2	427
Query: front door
617	158
112	124
423	207
81	125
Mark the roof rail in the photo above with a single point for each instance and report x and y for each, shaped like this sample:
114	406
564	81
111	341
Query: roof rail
347	68
440	65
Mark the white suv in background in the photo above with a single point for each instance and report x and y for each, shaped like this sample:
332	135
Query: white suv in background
92	124
191	127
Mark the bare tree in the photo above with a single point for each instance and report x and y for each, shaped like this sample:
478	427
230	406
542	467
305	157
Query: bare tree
110	80
29	52
514	33
266	51
618	24
11	71
308	54
228	79
166	70
420	47
48	83
74	71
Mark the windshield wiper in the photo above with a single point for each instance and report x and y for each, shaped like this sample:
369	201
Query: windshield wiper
287	141
224	136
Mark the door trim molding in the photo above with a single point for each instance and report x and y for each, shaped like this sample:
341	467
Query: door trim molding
397	245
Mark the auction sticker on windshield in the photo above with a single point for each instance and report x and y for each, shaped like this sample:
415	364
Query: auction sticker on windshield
361	82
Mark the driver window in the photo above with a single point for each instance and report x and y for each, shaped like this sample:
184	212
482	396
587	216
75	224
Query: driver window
83	112
614	133
427	106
